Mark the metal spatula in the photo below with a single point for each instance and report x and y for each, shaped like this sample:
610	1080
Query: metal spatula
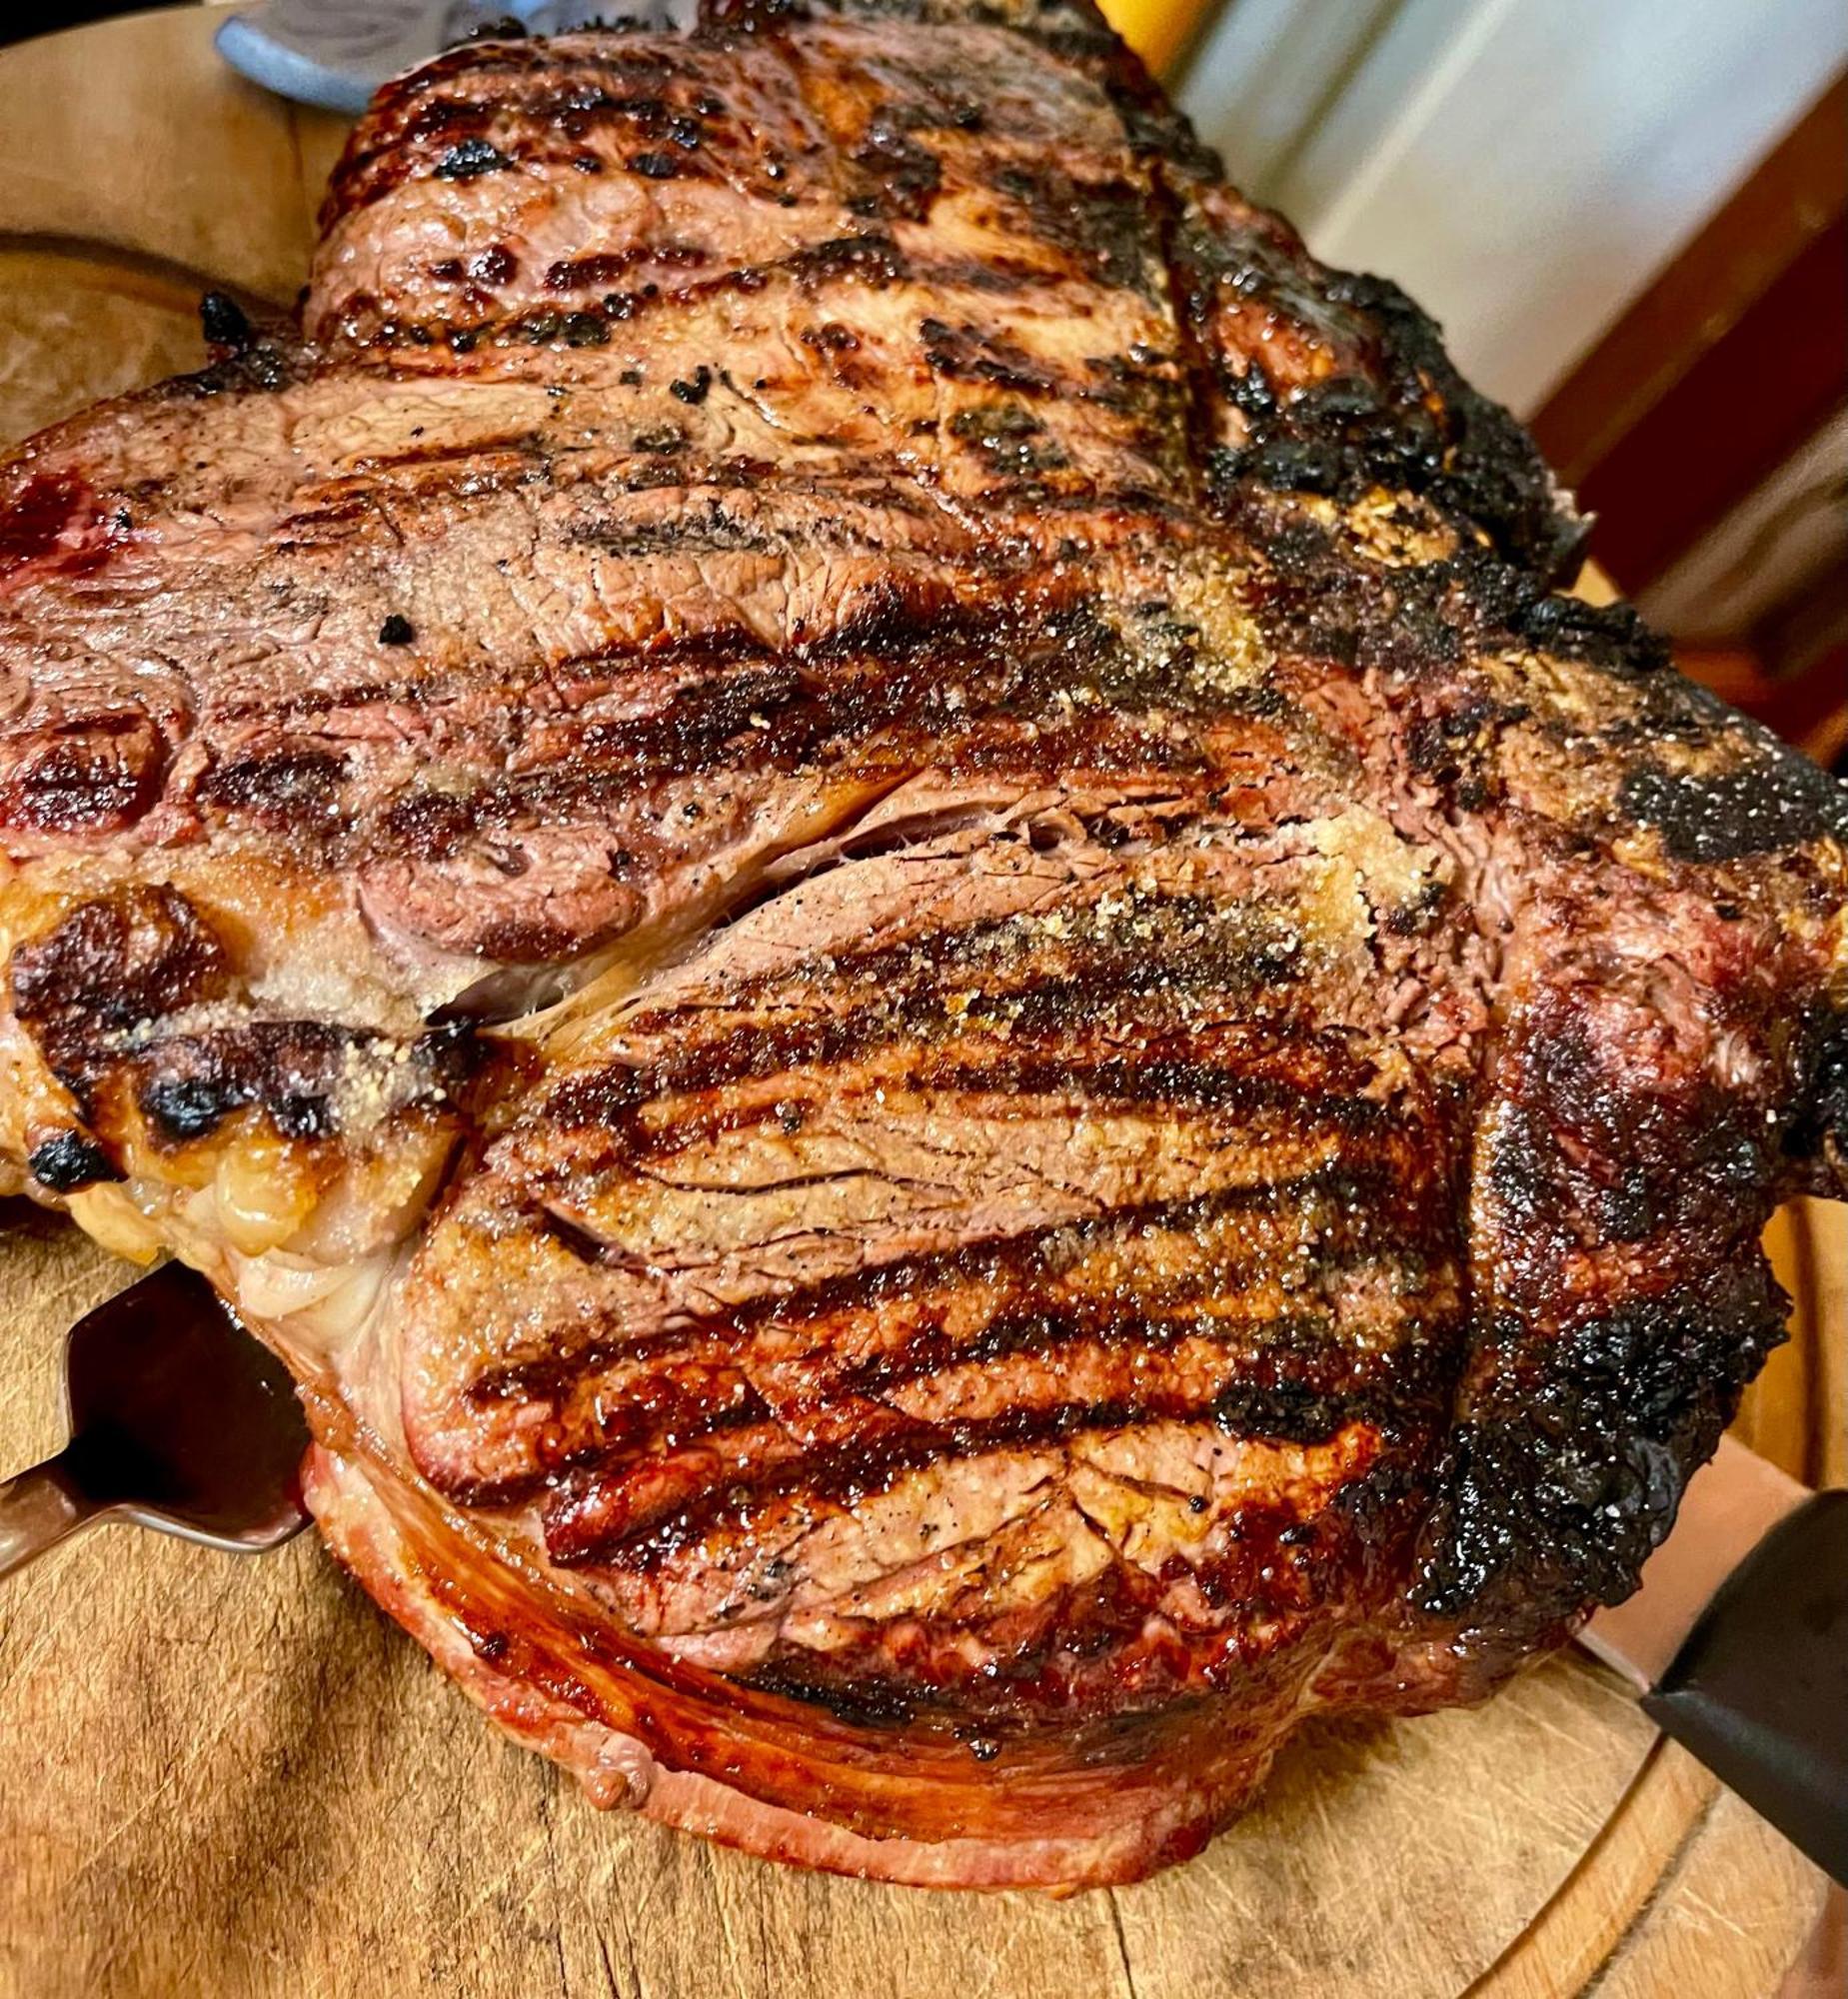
179	1420
1738	1642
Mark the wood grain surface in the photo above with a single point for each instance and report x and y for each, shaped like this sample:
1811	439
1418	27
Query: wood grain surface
223	1776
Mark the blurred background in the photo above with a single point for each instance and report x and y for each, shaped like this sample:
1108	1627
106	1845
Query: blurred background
1631	217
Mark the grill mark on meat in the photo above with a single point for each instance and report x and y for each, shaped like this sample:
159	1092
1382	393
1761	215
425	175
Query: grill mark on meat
591	1673
1024	1266
90	776
757	714
295	1071
1246	1368
550	686
1035	1330
1280	1244
1040	219
110	964
1035	1313
287	788
600	269
1114	1644
711	525
101	988
547	129
469	460
686	1088
1052	223
1358	1187
825	277
589	1521
747	723
709	517
874	158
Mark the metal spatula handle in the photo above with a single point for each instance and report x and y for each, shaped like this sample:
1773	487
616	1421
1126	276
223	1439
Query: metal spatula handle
38	1510
180	1421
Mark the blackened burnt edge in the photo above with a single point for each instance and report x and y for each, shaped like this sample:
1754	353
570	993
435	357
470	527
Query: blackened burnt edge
1554	1495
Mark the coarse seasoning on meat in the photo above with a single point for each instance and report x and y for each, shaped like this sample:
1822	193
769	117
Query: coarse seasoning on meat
857	864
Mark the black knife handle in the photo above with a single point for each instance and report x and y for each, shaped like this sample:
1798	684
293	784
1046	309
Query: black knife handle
1759	1692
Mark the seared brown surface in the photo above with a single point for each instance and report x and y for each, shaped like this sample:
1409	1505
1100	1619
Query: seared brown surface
856	863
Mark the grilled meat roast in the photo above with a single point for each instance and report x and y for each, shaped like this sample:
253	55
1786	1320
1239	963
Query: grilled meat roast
858	863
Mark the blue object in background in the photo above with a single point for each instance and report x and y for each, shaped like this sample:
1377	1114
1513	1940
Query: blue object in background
336	53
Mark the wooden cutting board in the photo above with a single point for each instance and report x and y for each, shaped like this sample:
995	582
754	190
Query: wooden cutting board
232	1777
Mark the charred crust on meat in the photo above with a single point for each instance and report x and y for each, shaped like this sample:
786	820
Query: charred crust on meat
96	990
1425	621
1612	635
1409	422
843	1477
284	787
115	961
1343	437
1554	1495
1107	226
1583	1146
905	173
195	1082
1005	434
1754	808
468	157
970	353
66	1162
294	1072
226	327
872	259
264	364
1815	1138
1492	474
94	775
864	1703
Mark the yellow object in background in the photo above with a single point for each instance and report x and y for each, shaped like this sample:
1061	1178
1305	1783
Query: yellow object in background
1157	30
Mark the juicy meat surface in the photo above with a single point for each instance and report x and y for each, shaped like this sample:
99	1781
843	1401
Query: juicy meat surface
857	864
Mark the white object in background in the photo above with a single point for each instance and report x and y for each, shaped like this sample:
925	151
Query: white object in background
1524	167
1267	72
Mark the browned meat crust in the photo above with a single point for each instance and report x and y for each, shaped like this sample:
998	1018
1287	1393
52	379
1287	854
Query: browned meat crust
856	863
